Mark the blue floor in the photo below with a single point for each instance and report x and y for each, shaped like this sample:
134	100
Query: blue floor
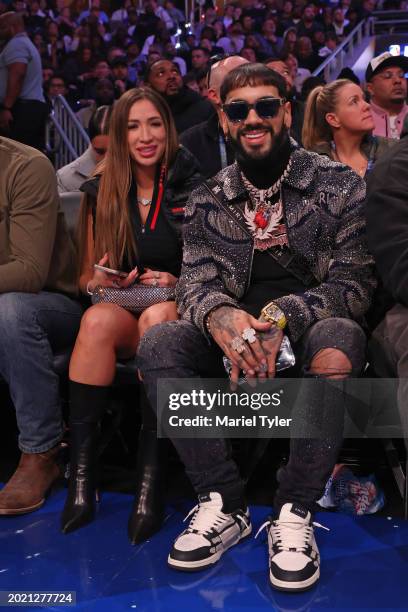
364	564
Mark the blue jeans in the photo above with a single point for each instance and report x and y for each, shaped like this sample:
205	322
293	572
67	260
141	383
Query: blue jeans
32	327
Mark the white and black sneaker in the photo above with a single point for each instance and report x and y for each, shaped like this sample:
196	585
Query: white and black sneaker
210	533
294	560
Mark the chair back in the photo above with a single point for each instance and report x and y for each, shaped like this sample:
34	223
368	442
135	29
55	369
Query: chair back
70	204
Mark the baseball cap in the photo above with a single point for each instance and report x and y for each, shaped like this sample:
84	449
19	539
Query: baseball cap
385	60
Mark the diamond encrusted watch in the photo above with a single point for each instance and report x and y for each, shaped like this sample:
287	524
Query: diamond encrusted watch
273	314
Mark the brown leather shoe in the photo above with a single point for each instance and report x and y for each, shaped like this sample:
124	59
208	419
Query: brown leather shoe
27	488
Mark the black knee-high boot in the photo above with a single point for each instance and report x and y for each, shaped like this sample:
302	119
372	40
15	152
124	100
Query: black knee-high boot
148	509
87	405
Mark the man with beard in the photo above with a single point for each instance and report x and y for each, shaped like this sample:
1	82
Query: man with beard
275	243
187	107
387	86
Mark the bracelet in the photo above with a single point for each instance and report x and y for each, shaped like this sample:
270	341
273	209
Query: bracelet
89	292
210	314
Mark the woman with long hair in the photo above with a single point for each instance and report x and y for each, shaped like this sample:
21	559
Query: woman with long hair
338	123
130	221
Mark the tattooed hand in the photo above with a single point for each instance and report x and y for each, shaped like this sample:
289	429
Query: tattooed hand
227	323
271	341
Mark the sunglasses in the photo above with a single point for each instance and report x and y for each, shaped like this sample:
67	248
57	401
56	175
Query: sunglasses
265	108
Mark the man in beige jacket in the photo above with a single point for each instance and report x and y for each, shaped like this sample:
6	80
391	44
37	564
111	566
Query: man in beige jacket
37	316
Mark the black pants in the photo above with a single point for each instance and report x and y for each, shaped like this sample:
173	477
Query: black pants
179	350
388	354
29	120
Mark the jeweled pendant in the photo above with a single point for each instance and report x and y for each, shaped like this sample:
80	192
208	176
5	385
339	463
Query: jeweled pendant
261	219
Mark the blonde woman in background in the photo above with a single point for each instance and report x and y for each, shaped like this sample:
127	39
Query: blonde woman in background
338	123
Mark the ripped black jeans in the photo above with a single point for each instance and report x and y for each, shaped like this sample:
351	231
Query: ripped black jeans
179	350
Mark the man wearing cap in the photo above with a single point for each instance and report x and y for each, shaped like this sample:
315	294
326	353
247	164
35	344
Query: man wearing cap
387	86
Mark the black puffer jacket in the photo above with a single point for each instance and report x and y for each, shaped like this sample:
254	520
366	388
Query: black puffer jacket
188	108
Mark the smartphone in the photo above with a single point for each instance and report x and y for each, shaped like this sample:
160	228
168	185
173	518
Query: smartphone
110	271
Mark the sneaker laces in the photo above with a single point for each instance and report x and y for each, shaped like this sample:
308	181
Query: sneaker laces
207	517
294	537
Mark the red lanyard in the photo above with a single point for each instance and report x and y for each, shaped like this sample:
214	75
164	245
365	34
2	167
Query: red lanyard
159	197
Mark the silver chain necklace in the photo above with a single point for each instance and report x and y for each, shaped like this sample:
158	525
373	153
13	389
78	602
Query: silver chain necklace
260	195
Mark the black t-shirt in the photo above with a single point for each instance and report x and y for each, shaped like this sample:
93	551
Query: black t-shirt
269	281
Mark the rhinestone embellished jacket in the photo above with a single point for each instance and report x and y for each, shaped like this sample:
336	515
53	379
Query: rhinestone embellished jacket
323	209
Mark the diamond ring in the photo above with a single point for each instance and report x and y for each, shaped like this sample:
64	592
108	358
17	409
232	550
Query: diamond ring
155	282
238	345
157	274
249	335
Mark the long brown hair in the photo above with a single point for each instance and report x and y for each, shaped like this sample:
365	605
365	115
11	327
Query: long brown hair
321	100
114	232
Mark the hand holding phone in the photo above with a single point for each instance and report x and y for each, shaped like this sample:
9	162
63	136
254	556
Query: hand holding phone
110	271
109	277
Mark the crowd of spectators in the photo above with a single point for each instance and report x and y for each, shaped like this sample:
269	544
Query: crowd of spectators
93	54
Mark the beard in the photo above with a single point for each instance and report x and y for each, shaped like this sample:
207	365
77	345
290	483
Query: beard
260	168
397	99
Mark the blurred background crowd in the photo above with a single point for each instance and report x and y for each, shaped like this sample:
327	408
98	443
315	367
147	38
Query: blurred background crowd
92	53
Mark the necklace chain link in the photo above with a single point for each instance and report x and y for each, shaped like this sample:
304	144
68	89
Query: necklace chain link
259	196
